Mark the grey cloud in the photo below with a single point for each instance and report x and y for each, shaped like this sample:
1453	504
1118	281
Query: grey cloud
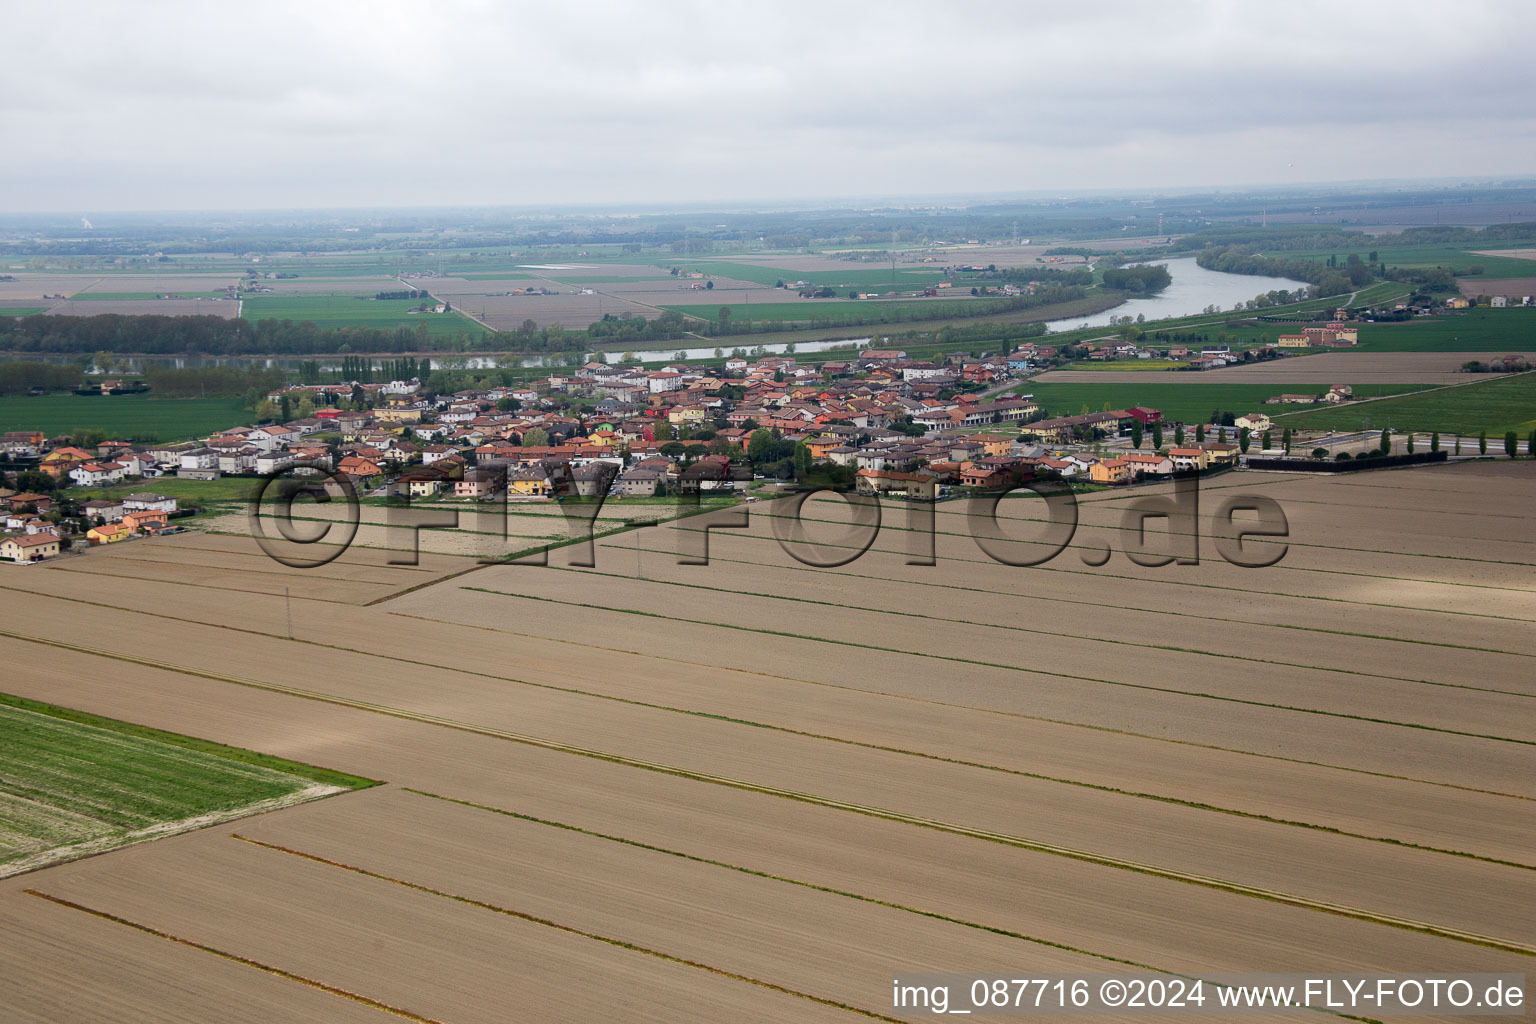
299	104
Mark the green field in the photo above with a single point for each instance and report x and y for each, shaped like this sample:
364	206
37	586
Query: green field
1451	257
347	310
1120	365
21	310
828	309
858	275
74	783
129	417
201	492
1472	330
555	275
1190	403
1496	405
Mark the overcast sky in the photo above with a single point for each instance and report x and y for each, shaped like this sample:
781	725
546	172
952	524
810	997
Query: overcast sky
145	105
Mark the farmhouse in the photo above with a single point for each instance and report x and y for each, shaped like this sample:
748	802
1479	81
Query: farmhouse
32	547
916	486
1253	421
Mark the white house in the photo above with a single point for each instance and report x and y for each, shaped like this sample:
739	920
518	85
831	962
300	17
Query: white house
148	501
201	458
271	462
1255	421
89	474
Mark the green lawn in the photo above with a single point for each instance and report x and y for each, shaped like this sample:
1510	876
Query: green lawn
130	417
348	310
68	779
1472	330
1191	403
201	492
1496	404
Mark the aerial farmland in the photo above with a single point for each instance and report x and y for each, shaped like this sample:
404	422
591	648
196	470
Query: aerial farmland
723	787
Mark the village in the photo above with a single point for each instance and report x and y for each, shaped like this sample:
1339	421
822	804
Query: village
878	422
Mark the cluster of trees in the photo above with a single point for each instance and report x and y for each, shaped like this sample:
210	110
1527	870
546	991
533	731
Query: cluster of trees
23	376
627	327
903	313
1504	364
1145	279
1326	280
212	381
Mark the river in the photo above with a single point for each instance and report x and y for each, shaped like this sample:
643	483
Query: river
1193	289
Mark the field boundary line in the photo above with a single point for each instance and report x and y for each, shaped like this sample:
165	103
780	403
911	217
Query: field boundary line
813	886
236	958
767	675
1197	695
1020	595
827	802
1099	639
568	929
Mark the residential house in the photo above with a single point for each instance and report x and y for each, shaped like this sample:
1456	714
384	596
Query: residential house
1254	421
145	522
147	501
1110	471
29	547
1186	459
1150	465
108	511
109	534
914	486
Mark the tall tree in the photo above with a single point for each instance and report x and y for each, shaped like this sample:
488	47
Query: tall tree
1243	440
1511	443
1157	434
1386	441
1136	435
1285	440
1434	441
1482	443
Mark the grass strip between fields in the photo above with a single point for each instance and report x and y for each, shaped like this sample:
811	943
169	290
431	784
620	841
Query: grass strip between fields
675	771
315	773
236	958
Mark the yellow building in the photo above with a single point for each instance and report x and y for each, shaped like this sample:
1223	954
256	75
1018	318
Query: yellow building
528	483
1109	471
30	547
686	415
109	534
397	415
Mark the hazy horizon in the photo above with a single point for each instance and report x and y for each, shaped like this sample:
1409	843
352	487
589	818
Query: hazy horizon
177	107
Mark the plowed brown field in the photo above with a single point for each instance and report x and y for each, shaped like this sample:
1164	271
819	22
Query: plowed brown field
757	789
